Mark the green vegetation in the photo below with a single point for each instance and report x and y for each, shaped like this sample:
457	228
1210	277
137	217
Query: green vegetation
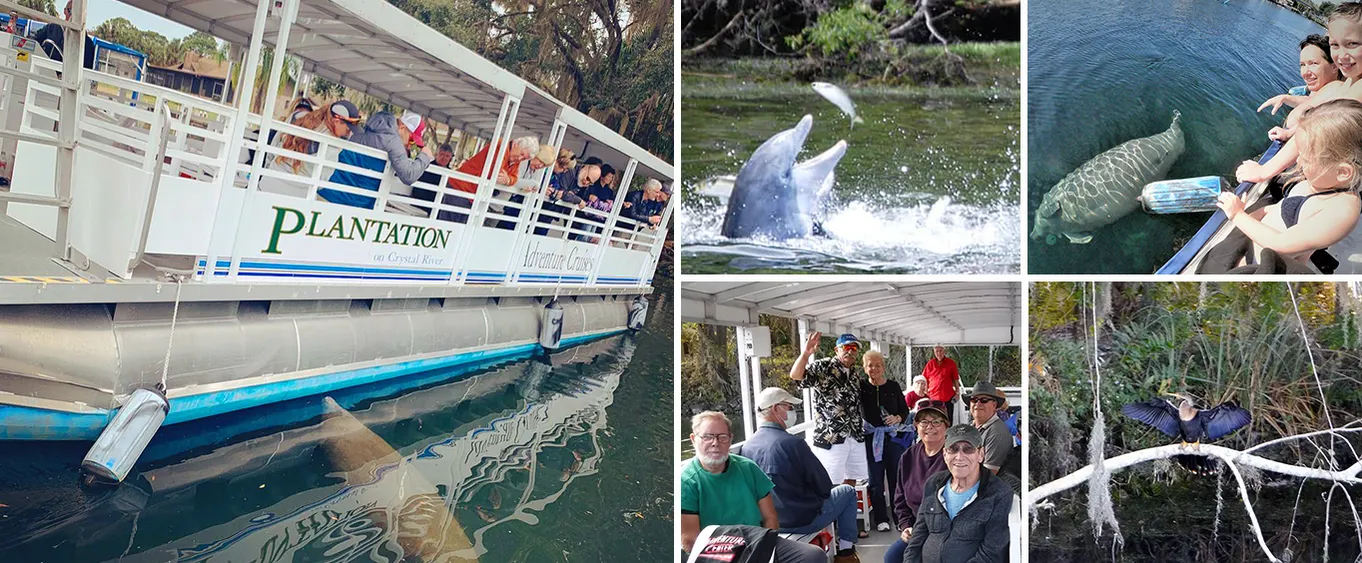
1220	342
860	41
997	65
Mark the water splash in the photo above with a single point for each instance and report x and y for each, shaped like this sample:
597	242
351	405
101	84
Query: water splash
934	235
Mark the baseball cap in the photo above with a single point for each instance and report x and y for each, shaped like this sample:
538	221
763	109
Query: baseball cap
416	125
772	396
964	433
848	339
346	111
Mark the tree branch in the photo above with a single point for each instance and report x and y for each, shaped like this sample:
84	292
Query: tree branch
712	41
1232	458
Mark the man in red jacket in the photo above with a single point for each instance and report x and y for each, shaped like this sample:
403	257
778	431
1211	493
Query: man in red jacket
943	379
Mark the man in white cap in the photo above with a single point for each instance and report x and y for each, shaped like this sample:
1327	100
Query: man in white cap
384	132
805	498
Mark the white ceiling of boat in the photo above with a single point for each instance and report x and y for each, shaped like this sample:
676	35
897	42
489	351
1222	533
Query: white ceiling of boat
917	313
352	42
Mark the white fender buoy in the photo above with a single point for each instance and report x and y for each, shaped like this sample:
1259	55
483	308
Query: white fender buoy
551	326
638	313
124	439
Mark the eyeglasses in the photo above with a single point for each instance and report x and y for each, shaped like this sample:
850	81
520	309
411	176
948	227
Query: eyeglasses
712	438
982	400
958	449
933	423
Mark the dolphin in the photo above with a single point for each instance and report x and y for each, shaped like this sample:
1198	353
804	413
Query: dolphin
1105	188
774	197
839	98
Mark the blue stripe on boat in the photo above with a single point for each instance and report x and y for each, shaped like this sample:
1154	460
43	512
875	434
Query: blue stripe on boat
28	423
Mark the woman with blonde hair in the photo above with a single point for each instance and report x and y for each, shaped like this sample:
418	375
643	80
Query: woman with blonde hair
334	119
1317	212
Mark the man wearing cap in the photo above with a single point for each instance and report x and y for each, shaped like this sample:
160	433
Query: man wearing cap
386	133
984	400
964	509
837	434
804	495
725	489
943	378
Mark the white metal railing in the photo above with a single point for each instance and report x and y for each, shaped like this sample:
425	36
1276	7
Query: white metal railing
178	150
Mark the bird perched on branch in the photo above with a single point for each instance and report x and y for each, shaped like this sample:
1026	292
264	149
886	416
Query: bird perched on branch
1189	424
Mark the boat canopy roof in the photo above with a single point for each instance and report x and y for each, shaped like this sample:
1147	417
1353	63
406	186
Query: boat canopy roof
376	48
948	313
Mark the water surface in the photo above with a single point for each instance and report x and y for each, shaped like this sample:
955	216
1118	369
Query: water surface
553	458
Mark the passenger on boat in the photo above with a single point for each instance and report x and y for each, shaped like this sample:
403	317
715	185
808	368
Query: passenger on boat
384	132
52	38
943	378
12	26
1317	70
918	393
886	434
721	488
647	205
963	516
1316	213
443	157
570	188
517	151
837	434
922	460
804	495
1345	47
335	119
984	400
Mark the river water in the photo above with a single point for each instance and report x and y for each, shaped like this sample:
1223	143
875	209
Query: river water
555	458
1102	72
929	183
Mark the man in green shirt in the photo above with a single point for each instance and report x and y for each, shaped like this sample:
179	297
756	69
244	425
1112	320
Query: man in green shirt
720	488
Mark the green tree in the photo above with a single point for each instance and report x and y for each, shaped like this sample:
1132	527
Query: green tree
48	7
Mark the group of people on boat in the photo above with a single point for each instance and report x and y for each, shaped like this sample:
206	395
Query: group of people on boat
1312	201
588	184
950	487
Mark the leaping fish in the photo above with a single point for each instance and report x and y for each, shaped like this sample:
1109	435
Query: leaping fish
839	98
1104	189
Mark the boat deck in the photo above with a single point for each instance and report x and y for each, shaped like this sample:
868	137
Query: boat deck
26	257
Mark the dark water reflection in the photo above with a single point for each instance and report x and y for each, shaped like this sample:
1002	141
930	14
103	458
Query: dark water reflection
554	458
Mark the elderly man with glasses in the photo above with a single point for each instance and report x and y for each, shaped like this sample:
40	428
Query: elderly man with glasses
838	438
724	489
805	496
964	509
984	401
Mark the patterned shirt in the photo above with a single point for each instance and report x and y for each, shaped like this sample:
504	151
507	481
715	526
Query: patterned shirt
838	407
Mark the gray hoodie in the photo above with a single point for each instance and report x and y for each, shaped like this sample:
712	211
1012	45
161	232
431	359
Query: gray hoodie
380	132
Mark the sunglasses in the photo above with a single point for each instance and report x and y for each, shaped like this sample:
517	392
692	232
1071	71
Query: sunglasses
982	400
958	449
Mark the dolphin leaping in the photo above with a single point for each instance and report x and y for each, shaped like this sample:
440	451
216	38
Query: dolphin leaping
774	197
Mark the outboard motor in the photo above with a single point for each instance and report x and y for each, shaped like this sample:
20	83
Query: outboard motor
124	439
638	313
551	326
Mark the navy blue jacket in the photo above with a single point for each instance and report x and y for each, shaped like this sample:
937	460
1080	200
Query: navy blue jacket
802	485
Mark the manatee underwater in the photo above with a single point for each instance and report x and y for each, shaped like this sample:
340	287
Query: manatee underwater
1105	188
775	198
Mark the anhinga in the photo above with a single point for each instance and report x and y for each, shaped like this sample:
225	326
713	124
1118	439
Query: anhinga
1189	424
